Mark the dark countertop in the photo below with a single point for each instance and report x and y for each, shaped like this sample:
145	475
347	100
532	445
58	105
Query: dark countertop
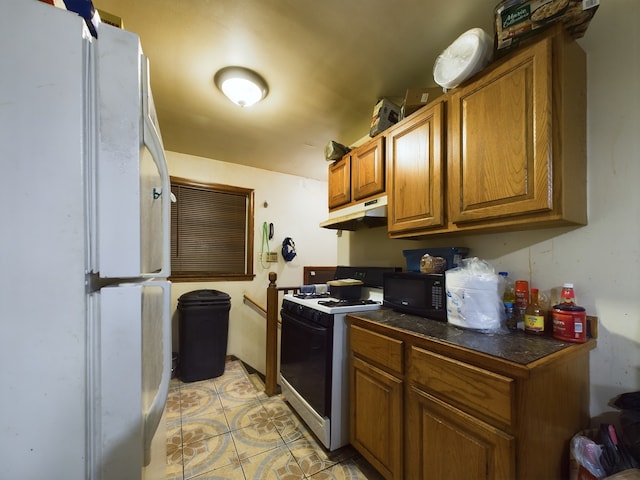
517	347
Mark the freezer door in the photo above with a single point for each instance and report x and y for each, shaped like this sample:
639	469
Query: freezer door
129	370
132	191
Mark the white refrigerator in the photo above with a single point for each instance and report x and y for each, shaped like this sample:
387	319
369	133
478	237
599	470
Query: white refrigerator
85	347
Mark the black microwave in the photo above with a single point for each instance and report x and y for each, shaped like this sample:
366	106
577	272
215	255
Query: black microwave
420	294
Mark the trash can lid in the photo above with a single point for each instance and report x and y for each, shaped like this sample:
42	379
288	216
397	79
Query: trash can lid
204	297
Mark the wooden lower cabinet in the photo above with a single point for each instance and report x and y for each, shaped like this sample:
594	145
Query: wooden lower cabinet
458	418
445	443
376	417
425	409
376	399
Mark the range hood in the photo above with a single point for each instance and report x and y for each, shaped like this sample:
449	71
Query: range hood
369	214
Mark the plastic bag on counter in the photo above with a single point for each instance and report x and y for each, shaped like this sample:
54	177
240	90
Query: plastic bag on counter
474	296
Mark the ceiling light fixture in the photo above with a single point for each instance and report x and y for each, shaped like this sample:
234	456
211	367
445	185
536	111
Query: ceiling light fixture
242	86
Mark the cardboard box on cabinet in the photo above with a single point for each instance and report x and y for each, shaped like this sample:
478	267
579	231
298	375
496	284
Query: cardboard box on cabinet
416	98
516	20
385	114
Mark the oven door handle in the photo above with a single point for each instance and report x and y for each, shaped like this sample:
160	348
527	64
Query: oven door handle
307	325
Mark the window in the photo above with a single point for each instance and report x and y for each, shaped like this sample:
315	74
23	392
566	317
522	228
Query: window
211	232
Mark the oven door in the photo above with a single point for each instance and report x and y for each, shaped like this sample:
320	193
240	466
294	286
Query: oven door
306	349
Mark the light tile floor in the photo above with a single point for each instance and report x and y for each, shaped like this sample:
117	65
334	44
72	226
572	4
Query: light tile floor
226	428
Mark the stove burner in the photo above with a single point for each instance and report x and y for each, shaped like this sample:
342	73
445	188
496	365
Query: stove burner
346	303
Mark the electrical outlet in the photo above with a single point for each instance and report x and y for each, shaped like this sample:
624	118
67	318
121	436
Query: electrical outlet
272	257
268	257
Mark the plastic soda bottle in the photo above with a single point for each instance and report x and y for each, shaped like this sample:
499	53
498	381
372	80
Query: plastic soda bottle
512	316
509	293
522	296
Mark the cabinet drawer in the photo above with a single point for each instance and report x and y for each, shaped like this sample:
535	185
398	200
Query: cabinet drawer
377	348
479	392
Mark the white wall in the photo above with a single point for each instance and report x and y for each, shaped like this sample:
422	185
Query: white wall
602	259
296	206
613	235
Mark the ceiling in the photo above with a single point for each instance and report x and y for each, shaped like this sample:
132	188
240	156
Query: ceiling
326	62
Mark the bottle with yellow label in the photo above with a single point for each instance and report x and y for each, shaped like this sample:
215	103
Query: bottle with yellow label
534	315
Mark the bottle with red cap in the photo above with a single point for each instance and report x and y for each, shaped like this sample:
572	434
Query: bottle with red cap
568	294
521	293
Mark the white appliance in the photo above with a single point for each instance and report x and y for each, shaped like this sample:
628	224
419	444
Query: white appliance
85	348
305	378
314	353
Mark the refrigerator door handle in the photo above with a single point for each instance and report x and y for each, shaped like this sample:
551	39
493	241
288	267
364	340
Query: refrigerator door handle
154	414
153	141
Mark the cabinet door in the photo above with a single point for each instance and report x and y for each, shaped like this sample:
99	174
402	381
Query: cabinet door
376	417
446	444
367	164
500	140
415	176
481	393
340	182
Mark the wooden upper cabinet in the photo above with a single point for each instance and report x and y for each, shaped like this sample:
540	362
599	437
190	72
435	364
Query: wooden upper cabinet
358	175
340	182
367	169
500	149
415	161
516	140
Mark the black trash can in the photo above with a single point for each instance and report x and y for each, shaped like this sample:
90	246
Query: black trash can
204	329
